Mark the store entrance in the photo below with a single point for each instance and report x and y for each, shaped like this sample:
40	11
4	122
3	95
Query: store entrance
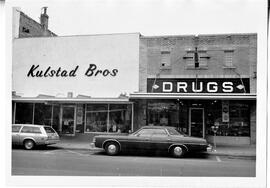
196	122
68	120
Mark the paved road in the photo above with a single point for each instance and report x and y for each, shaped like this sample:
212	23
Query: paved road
54	161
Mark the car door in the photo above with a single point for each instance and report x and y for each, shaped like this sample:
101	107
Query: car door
16	134
32	133
140	140
160	140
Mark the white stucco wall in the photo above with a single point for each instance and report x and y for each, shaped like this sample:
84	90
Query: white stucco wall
15	22
112	51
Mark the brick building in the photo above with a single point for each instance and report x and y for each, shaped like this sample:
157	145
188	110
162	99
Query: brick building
199	84
24	26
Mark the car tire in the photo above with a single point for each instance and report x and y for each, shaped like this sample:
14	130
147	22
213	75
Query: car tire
178	151
112	148
29	144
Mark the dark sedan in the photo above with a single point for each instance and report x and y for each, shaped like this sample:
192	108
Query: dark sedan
152	138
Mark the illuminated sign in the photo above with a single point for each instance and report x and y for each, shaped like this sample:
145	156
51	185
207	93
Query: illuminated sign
200	85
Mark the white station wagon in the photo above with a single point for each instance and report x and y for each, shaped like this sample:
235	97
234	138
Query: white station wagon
30	135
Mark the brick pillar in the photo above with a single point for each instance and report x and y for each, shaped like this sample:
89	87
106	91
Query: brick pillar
143	67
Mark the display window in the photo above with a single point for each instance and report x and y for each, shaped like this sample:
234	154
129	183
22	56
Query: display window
163	113
96	118
43	114
115	118
120	118
236	123
24	113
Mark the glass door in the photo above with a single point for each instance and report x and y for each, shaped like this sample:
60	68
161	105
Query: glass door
196	122
68	120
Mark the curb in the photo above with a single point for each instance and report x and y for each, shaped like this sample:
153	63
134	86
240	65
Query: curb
209	153
228	154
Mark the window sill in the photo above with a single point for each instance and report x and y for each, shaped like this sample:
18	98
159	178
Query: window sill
231	67
165	68
198	68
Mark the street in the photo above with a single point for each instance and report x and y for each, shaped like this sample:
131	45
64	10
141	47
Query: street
53	161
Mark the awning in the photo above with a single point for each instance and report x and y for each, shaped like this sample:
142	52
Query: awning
205	96
71	100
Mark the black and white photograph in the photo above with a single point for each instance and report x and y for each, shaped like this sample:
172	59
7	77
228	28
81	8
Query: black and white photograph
166	93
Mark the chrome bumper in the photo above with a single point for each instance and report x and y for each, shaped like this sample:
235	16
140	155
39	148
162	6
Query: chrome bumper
209	148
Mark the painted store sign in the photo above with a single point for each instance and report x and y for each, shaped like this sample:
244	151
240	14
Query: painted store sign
94	65
200	85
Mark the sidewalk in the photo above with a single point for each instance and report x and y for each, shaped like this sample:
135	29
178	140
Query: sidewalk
221	150
240	151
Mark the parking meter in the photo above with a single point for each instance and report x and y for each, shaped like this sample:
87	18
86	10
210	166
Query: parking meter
215	129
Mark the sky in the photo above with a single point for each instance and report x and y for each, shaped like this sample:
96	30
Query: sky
150	18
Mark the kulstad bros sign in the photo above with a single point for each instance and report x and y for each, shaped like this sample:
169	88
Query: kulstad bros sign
200	85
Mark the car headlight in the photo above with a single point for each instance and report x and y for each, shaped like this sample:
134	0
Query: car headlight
94	139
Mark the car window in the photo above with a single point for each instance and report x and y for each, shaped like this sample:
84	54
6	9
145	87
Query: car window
49	130
16	128
145	132
175	132
28	129
159	132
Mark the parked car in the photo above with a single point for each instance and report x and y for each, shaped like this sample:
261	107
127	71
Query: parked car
30	135
163	138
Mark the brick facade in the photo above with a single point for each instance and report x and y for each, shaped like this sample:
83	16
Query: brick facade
30	28
244	47
241	47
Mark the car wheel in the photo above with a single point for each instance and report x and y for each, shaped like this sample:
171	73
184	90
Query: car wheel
178	151
29	144
112	148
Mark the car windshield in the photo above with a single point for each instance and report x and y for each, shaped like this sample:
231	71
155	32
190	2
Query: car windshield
175	132
49	130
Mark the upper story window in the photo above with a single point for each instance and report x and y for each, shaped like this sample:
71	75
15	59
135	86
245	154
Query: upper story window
228	58
203	58
165	62
196	59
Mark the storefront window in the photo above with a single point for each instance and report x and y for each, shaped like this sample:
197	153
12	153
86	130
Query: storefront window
164	113
108	118
238	123
120	118
56	118
43	114
24	113
80	118
96	118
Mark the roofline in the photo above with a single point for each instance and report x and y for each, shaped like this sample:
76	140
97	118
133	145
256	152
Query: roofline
202	35
71	100
65	36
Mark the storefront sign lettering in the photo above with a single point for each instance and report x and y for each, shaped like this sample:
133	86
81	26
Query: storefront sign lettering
92	70
210	85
